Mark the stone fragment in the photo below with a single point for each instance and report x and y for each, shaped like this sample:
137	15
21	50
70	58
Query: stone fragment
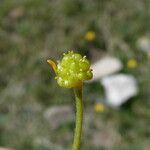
143	44
119	88
58	115
105	66
3	148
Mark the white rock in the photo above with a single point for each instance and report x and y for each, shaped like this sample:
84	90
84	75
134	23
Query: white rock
57	115
45	143
143	44
106	66
119	88
106	138
2	148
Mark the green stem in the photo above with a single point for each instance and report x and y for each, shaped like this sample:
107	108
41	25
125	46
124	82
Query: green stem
79	118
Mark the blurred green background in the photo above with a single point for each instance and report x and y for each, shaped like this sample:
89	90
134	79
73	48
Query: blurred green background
31	31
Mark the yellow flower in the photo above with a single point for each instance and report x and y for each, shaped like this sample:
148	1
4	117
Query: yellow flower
132	63
99	107
148	55
90	36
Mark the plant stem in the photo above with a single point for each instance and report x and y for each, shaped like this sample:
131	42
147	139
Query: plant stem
79	118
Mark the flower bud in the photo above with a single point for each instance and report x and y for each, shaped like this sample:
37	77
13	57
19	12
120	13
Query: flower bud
72	70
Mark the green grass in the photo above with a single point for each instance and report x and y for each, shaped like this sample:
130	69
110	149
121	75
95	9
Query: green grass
33	31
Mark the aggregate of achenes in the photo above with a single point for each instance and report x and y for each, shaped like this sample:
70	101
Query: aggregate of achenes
72	70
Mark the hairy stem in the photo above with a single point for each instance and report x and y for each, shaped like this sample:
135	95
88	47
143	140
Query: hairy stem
79	118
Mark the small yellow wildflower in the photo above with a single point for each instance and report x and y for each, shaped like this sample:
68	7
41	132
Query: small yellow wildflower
99	107
90	36
148	55
132	63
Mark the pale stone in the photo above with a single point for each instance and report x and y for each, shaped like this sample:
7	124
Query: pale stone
119	88
143	44
16	13
58	115
46	143
106	138
2	148
105	66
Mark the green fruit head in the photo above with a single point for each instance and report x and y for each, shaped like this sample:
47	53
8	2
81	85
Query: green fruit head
72	70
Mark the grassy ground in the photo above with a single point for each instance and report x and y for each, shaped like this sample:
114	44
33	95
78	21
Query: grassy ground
32	31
